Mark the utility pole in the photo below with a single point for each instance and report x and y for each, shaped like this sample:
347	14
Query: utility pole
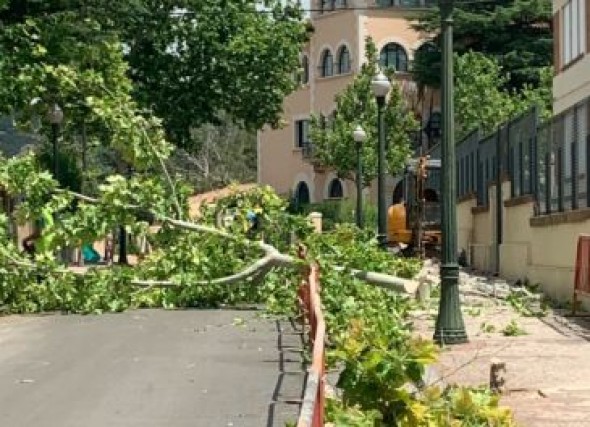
450	328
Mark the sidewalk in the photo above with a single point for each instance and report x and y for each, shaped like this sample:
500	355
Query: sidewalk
548	369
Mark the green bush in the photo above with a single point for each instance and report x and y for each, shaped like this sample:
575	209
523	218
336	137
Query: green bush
336	212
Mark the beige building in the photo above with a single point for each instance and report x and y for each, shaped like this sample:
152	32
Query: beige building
330	60
571	53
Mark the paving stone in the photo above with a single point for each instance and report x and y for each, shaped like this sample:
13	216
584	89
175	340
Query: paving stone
548	374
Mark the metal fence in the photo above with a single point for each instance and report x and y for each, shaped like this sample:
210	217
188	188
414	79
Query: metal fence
546	160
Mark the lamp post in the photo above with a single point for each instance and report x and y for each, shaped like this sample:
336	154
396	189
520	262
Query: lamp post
450	328
381	87
55	116
359	136
123	260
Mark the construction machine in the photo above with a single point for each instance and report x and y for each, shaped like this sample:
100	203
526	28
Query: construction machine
413	223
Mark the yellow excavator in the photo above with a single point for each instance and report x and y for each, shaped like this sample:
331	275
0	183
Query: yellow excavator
413	221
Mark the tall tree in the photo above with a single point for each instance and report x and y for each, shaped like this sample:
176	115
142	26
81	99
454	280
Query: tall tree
356	105
516	32
193	61
65	58
224	154
481	82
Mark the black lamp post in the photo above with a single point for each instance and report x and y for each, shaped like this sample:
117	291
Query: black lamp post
123	260
381	87
450	328
55	116
359	136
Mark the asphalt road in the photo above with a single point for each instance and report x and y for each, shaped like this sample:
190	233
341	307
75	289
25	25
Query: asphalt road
147	368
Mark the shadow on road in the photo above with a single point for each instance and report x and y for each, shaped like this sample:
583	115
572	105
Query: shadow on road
288	393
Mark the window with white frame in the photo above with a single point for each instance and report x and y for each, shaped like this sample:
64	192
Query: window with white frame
301	133
573	30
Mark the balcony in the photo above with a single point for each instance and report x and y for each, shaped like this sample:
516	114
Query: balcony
307	151
309	155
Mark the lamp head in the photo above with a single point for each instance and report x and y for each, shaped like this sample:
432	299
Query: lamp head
359	135
55	115
380	85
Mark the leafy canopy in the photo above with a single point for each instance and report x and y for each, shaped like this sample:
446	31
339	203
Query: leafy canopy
190	61
516	32
74	61
216	57
356	105
481	82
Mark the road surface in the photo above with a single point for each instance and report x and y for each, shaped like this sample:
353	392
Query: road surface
148	368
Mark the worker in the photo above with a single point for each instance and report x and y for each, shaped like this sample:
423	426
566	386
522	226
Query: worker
254	218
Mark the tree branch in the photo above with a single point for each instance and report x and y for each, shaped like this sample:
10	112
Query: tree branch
262	264
273	258
165	170
385	281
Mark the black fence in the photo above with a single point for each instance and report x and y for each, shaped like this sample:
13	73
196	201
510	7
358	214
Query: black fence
546	160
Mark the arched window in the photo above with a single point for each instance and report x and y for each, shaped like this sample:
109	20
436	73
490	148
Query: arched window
302	194
394	56
335	190
305	66
343	60
327	66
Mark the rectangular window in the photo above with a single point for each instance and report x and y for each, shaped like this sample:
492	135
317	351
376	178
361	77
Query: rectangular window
573	30
301	133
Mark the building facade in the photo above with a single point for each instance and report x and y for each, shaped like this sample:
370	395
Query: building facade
571	85
330	61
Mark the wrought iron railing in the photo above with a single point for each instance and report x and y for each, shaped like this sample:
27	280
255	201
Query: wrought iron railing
308	151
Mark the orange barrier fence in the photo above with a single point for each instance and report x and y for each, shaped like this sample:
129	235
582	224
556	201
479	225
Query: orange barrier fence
312	409
582	280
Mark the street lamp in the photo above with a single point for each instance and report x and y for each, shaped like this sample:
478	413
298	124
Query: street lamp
55	116
359	136
381	87
123	237
450	328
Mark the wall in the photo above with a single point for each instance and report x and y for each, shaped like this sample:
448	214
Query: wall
572	85
465	224
539	249
280	163
392	25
